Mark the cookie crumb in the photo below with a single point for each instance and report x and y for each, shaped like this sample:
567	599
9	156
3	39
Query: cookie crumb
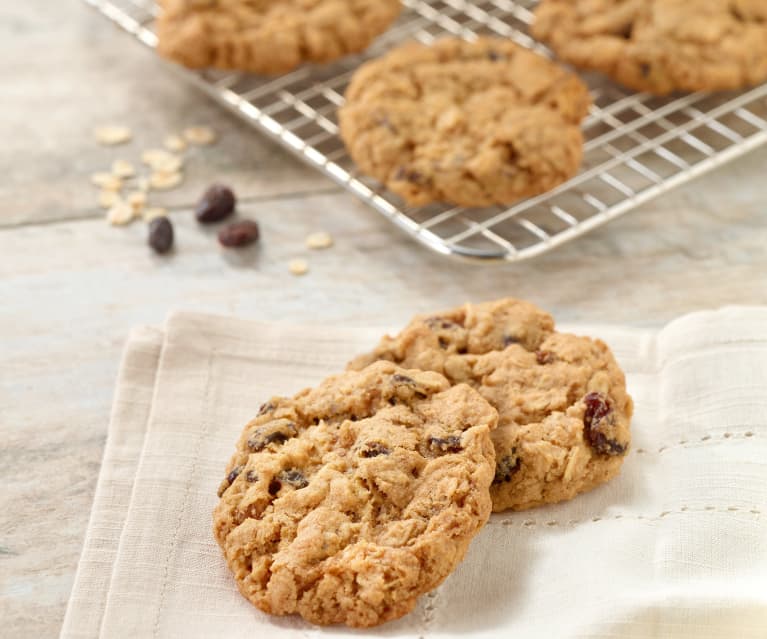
319	240
201	135
163	181
120	214
123	169
111	135
106	181
174	143
298	267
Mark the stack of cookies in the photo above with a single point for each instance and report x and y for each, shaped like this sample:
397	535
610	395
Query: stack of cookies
485	122
348	501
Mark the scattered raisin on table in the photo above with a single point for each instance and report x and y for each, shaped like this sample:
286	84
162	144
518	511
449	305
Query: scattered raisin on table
239	234
215	204
160	235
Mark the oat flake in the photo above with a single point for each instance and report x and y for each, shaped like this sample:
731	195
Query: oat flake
174	143
113	134
163	181
120	214
123	169
106	181
200	135
298	267
320	240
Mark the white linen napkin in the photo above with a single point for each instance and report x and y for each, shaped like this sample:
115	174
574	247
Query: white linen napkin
674	547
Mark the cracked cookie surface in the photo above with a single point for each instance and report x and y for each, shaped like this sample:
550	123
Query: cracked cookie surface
347	502
469	123
268	36
562	404
661	46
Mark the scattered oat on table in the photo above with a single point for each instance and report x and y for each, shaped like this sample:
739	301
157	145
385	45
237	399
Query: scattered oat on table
320	240
120	214
123	169
162	160
174	143
163	181
107	199
200	135
111	135
153	212
106	181
137	200
298	267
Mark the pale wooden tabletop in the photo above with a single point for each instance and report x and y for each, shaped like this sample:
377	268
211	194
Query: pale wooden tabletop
71	287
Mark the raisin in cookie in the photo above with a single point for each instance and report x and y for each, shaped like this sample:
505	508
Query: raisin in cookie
562	404
470	123
347	502
268	36
661	45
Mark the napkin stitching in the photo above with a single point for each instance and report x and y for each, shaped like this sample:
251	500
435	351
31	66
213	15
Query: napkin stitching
187	489
683	510
685	443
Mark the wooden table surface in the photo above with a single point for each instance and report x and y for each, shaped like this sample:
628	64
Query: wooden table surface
71	287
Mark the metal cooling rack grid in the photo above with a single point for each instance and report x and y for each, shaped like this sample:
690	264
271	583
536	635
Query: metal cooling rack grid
637	146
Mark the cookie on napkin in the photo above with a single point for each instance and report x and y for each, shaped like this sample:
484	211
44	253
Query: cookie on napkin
348	501
563	409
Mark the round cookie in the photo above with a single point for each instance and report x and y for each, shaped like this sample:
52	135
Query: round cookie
268	36
469	123
563	410
347	502
661	46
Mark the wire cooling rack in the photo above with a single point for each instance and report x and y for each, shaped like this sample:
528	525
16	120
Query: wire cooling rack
637	146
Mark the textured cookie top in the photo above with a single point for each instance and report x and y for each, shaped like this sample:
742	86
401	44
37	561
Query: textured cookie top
348	501
269	36
562	403
472	123
661	45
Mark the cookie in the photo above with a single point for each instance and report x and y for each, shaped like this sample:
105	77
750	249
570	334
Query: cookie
661	46
347	502
268	36
562	404
468	123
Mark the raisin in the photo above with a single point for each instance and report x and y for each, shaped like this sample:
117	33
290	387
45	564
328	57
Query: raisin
224	486
234	474
402	379
506	467
238	234
374	449
409	175
274	487
441	323
293	477
215	204
450	444
251	477
508	340
277	432
598	411
443	343
160	235
268	407
544	357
